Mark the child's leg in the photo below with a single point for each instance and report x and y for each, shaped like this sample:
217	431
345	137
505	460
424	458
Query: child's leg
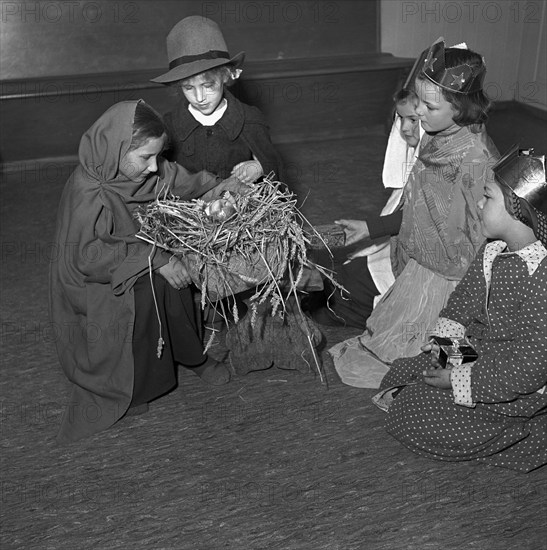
406	370
184	337
181	326
153	375
427	421
351	309
229	309
528	453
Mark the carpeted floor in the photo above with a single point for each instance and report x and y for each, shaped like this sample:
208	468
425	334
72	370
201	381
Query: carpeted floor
274	460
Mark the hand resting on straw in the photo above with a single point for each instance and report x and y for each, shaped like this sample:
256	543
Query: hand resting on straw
248	171
231	184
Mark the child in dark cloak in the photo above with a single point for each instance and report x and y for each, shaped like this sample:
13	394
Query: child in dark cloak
122	308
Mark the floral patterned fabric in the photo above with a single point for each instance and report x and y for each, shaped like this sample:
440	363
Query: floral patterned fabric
439	238
441	228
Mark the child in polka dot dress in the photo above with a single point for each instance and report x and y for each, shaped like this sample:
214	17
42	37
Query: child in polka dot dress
494	409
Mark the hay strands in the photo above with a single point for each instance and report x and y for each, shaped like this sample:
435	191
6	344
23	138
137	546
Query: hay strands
262	245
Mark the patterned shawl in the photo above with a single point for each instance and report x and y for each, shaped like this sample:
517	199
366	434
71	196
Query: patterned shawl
441	228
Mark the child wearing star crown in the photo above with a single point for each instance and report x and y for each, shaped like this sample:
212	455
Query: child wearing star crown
491	410
440	232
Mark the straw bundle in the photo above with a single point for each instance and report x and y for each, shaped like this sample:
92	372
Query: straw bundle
253	240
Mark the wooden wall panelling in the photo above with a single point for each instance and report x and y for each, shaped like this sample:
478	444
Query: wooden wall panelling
307	65
510	34
301	99
56	38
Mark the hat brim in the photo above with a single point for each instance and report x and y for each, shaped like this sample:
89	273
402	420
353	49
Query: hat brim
196	67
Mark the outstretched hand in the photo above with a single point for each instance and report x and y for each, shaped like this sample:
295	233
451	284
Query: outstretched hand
355	230
175	273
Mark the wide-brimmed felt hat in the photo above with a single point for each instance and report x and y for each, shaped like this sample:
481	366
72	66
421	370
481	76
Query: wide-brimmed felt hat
194	45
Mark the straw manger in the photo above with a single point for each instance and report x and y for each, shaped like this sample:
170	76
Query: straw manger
258	240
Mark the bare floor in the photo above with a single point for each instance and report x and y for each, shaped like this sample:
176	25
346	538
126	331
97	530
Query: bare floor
273	460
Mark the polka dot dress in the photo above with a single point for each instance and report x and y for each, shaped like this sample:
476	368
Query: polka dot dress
492	413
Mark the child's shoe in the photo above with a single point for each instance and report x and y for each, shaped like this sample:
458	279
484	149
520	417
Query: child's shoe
213	372
137	410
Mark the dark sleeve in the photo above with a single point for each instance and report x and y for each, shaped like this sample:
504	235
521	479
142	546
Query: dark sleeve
519	368
107	249
184	184
170	152
256	135
385	226
467	299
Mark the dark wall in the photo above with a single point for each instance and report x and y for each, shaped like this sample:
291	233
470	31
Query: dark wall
64	37
312	66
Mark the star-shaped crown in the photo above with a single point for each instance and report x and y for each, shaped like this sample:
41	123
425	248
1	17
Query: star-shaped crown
524	173
462	79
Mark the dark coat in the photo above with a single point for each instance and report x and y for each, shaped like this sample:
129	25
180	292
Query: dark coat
241	133
97	263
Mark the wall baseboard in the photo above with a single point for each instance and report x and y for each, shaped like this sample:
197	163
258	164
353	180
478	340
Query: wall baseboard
513	122
509	122
302	99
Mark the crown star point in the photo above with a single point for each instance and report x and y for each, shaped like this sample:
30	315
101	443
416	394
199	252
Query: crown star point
458	80
429	62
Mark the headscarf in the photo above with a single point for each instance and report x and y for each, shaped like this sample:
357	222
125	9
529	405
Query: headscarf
98	260
91	277
107	141
103	147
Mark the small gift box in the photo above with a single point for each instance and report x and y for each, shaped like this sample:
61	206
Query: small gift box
454	351
328	235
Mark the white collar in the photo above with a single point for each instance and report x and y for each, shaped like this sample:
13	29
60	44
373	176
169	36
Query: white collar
533	254
213	118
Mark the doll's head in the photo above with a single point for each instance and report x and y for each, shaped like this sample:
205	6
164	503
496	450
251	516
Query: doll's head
406	102
449	85
514	206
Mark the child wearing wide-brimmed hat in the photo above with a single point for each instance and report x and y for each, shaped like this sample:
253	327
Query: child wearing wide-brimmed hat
210	128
